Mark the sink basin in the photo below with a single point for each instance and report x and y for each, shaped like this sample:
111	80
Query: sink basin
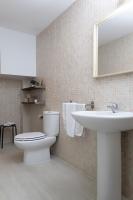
105	120
108	126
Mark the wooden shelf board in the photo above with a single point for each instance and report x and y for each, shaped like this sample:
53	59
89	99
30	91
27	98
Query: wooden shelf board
39	103
33	88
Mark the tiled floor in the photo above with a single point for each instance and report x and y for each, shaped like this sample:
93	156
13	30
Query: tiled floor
55	180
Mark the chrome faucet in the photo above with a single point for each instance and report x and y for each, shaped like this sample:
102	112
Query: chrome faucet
113	106
90	106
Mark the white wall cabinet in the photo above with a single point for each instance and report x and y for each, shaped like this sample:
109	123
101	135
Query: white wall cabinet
17	53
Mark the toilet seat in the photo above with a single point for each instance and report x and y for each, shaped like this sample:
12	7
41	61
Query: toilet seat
33	136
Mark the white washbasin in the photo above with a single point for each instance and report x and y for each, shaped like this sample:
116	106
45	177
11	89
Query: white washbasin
105	120
106	123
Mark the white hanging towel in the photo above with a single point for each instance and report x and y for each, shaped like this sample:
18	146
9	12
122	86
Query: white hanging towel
78	128
72	127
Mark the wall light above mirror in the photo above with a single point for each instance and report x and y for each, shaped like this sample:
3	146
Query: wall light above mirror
113	43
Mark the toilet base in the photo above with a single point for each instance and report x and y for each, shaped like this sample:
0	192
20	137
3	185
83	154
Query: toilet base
39	156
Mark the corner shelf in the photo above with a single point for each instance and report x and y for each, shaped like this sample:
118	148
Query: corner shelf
35	92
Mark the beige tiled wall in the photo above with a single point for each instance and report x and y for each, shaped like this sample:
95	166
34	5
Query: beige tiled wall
10	107
65	62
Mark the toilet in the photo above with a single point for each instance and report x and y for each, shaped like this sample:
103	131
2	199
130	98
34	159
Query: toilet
36	145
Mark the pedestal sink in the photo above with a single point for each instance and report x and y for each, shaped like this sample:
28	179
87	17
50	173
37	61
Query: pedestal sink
108	126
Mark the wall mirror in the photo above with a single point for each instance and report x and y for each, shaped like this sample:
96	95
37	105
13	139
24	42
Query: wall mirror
113	43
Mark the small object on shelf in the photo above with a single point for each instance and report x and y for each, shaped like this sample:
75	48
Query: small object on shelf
34	83
25	100
28	97
35	100
41	83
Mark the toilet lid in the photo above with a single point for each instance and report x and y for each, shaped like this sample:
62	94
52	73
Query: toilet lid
30	136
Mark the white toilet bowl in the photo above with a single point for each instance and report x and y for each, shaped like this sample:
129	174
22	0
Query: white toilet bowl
36	145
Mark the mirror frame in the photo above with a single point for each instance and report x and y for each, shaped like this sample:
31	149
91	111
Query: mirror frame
95	46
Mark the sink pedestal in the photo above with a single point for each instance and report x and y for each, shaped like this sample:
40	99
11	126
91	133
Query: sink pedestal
108	166
108	126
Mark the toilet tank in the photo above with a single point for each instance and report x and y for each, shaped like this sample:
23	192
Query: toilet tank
51	123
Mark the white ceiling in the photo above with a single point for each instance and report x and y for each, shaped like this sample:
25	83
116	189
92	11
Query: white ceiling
31	16
118	25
